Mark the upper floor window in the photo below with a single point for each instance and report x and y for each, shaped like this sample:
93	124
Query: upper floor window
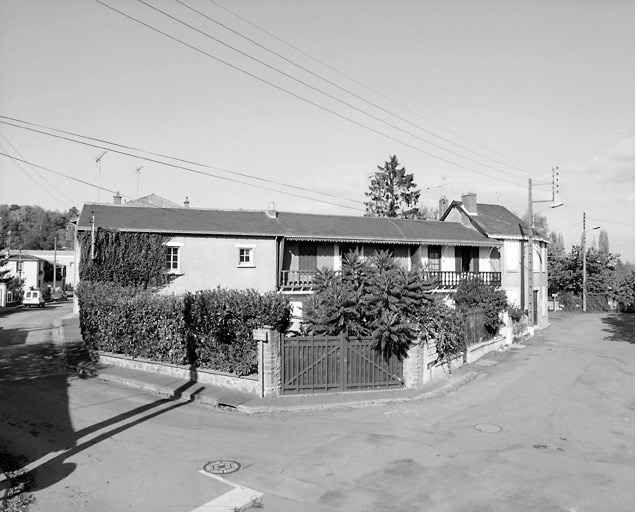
246	255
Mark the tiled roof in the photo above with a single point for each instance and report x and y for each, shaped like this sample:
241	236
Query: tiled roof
497	220
179	221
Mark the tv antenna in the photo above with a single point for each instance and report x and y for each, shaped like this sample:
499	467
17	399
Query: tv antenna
99	174
138	171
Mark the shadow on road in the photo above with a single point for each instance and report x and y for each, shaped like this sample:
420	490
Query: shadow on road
620	327
35	423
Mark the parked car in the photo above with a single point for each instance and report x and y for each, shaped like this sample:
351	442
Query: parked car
58	295
33	298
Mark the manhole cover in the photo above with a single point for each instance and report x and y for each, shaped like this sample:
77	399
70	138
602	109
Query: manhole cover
488	428
222	467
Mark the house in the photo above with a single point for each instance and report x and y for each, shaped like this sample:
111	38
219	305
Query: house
282	251
64	261
32	269
498	223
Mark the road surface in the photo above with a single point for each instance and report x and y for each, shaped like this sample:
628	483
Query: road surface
549	427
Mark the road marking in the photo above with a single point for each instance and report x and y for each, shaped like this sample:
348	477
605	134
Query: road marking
238	499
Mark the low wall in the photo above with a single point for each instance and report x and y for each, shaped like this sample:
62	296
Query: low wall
225	380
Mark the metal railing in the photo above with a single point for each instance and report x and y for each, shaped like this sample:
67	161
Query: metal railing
447	279
292	280
297	279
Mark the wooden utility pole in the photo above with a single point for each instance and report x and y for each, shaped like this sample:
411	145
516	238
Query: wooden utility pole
529	263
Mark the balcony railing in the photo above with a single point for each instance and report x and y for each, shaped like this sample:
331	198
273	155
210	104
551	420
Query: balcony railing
297	280
447	280
303	280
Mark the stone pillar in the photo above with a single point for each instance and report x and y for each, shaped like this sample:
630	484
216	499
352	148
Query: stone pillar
430	357
269	361
413	366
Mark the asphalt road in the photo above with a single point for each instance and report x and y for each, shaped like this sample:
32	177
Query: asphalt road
546	428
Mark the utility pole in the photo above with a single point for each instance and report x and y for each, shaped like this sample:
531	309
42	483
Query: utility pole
529	305
55	256
584	262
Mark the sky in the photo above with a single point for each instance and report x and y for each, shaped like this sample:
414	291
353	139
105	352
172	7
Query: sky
296	103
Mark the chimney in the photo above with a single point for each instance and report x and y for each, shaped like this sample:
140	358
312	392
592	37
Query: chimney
470	203
117	199
271	211
186	203
443	204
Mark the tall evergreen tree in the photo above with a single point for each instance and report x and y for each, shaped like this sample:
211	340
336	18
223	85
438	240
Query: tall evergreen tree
604	244
392	192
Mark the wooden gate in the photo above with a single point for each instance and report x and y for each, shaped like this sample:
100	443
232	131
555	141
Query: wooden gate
318	364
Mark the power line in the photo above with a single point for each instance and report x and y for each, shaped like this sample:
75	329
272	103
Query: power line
39	184
237	68
340	88
169	165
101	142
316	89
612	222
365	86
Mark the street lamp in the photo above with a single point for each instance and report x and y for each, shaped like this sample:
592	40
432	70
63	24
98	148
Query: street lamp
584	260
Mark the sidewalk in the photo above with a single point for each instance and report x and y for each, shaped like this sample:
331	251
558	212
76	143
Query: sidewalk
76	357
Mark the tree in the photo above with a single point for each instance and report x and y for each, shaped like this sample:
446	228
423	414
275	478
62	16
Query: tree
373	297
604	244
392	192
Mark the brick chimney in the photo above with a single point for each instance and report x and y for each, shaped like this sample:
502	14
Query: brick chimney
186	203
117	199
470	203
443	204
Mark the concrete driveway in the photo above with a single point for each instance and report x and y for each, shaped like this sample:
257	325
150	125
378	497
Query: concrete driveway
546	427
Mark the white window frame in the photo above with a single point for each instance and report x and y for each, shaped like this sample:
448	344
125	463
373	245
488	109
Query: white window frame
243	251
174	246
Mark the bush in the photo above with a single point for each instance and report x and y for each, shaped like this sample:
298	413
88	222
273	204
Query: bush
121	320
474	296
221	322
209	329
445	325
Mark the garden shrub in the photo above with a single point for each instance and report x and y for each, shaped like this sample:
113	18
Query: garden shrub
137	324
209	329
221	322
445	326
370	297
473	297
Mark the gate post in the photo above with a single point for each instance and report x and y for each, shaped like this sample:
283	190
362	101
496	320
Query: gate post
413	365
269	353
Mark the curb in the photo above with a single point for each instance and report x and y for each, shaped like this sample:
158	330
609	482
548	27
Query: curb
157	389
444	390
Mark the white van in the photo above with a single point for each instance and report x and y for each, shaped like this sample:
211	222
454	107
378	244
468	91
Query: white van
33	298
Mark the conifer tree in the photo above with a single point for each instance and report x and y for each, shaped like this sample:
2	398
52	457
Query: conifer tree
392	192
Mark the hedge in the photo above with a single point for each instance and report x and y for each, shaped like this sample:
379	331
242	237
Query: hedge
208	329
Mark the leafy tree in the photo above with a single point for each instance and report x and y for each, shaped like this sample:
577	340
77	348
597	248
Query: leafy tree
3	273
33	227
392	192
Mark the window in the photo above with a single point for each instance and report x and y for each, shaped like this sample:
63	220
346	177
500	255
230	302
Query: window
246	257
433	255
172	259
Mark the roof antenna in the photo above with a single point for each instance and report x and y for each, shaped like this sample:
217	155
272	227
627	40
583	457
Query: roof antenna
99	174
138	171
